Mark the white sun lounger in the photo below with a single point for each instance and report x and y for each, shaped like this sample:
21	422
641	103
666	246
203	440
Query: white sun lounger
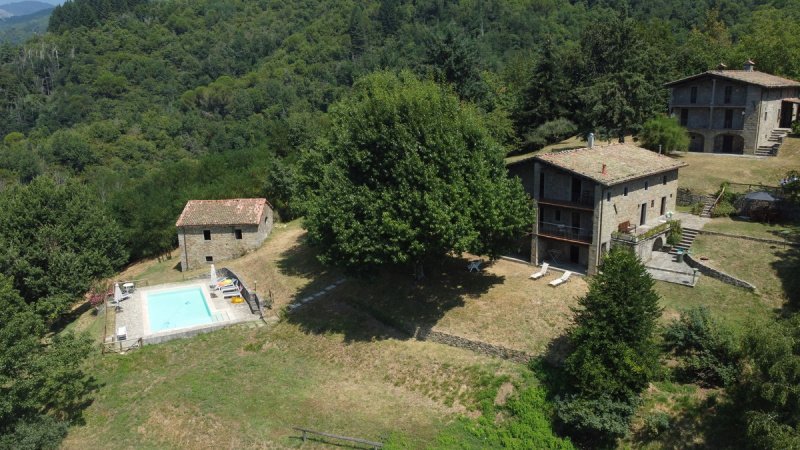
541	272
561	280
231	294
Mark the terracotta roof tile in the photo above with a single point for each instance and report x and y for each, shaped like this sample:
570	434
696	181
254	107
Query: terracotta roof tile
623	162
751	77
235	211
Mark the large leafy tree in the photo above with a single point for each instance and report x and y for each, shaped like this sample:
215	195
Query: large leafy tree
42	384
614	352
769	390
57	239
406	175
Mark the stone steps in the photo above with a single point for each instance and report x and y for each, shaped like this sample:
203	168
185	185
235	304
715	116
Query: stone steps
708	205
687	238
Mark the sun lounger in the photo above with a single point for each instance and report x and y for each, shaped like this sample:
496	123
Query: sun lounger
474	265
562	280
232	288
231	294
541	272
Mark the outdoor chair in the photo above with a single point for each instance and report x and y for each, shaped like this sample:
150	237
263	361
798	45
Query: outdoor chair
474	265
562	280
541	272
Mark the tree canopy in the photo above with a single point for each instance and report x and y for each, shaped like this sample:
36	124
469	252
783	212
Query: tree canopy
614	354
406	175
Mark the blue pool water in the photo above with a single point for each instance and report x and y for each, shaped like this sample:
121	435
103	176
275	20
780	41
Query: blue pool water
179	308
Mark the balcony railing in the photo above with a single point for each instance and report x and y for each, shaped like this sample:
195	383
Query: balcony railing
559	230
585	201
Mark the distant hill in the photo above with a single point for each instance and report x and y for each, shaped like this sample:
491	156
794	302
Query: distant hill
17	29
23	8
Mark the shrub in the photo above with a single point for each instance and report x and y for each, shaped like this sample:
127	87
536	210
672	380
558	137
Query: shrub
664	132
707	352
723	208
596	422
655	423
549	132
697	208
675	232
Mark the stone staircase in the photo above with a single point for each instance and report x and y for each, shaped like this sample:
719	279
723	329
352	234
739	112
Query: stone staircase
775	140
687	237
708	205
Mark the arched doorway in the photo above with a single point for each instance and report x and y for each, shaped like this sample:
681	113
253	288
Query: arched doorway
658	243
728	143
697	142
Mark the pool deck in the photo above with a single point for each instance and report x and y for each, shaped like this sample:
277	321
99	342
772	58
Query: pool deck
133	314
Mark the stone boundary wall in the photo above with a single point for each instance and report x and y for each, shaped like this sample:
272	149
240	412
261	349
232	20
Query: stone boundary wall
750	238
429	335
686	197
718	274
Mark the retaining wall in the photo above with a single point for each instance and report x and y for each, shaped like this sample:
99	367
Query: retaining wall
427	334
718	274
751	238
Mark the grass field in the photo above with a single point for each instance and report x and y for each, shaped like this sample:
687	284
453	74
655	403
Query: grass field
246	388
705	173
780	231
335	365
773	269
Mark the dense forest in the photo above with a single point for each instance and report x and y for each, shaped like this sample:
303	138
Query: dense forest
125	109
218	99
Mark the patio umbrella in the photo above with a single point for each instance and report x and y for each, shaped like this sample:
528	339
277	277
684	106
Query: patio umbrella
117	293
760	196
213	276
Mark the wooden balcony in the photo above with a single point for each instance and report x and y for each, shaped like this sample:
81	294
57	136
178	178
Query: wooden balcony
565	233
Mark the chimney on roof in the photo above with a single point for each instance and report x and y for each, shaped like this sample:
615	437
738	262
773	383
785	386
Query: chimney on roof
590	139
604	169
748	65
722	66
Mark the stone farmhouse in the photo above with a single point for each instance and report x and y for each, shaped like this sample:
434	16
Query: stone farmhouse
215	230
735	111
591	198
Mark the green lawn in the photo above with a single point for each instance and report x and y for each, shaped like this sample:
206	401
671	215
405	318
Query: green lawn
732	305
771	268
705	173
246	388
785	231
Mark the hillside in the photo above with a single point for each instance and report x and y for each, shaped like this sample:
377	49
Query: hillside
17	29
24	8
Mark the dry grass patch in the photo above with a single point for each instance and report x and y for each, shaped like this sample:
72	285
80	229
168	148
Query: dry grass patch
781	231
500	306
706	173
219	390
771	268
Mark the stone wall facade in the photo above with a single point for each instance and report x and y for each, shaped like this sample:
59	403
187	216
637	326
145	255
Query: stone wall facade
197	251
749	116
604	209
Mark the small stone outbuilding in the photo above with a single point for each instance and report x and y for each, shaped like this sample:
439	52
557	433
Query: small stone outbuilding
215	230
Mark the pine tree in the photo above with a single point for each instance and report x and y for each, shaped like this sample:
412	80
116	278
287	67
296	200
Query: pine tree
615	355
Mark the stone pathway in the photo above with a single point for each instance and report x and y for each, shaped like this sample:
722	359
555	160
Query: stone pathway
665	267
315	296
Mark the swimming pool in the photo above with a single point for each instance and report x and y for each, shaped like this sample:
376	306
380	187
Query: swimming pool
177	308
